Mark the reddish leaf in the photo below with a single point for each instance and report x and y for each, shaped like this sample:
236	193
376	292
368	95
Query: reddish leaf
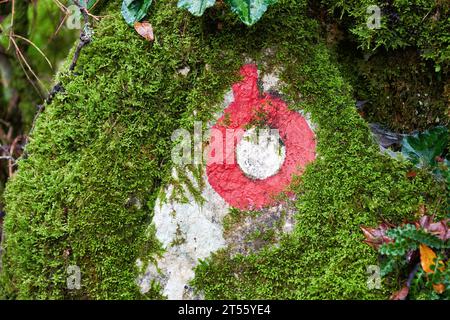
375	237
424	222
400	294
145	29
411	174
439	229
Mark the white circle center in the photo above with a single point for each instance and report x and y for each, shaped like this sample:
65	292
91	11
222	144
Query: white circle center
260	153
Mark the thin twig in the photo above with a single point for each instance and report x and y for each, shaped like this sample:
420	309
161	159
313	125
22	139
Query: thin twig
7	158
36	47
12	162
61	6
66	13
22	60
412	274
21	56
58	28
28	76
13	11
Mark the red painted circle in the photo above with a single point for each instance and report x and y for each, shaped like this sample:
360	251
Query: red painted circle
227	178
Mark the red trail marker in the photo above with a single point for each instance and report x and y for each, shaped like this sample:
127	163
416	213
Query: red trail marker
227	178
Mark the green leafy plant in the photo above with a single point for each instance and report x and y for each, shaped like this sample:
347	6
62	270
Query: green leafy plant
135	10
196	7
249	11
423	149
428	150
409	251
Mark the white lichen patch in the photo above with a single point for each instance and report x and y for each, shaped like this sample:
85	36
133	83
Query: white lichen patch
188	232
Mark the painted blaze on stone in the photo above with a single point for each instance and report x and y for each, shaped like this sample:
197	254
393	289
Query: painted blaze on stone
250	107
190	231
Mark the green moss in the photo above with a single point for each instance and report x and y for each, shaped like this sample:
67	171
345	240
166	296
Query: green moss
179	239
235	217
423	24
398	88
106	139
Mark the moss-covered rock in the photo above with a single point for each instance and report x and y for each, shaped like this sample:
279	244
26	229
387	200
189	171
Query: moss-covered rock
105	142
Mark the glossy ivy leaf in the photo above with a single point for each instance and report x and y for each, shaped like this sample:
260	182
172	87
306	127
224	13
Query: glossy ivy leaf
135	10
196	7
250	11
422	149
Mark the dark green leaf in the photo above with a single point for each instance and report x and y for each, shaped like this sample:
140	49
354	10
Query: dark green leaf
250	11
407	233
196	7
423	148
135	10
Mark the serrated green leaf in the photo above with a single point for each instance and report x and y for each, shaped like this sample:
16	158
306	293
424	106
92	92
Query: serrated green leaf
250	11
423	148
196	7
427	239
135	10
388	265
397	248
